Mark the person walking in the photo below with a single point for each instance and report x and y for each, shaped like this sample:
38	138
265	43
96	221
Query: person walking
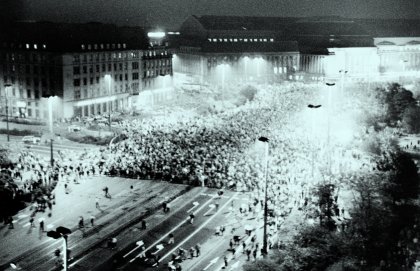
97	202
41	225
143	224
225	259
81	222
31	220
192	252
191	218
11	223
92	220
198	249
106	190
171	239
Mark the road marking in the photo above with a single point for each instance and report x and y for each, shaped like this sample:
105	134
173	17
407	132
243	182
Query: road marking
195	205
209	210
26	225
23	216
138	245
159	248
176	227
211	263
196	231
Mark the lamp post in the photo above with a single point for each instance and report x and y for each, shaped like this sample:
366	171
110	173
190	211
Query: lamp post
61	232
311	106
6	88
265	243
328	126
108	79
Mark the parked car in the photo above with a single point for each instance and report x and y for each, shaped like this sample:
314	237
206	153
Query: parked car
74	128
31	140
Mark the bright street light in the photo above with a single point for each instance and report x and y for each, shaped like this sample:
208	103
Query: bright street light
6	87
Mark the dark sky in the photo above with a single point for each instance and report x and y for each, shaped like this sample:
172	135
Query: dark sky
171	13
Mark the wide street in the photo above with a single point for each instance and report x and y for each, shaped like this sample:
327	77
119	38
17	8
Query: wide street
44	149
120	216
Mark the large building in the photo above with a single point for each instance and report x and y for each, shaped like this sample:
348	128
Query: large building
90	68
213	48
221	48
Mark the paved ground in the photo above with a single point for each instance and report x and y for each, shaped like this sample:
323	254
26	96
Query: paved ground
32	250
44	149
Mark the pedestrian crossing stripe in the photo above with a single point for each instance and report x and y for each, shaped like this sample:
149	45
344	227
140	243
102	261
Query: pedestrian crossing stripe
27	225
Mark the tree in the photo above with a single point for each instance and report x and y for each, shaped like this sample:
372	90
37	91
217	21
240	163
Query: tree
398	100
403	183
249	92
411	119
7	195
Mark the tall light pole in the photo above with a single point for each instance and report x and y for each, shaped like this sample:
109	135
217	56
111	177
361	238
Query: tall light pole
6	88
108	79
311	106
265	243
50	122
61	232
329	126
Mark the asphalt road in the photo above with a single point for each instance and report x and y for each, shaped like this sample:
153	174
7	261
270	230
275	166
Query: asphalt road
33	250
44	149
210	211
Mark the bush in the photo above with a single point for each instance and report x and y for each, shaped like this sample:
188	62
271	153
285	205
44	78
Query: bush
249	92
102	141
20	132
25	121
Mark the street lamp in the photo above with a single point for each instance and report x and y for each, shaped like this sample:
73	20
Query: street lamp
50	121
311	106
265	244
108	79
61	232
6	87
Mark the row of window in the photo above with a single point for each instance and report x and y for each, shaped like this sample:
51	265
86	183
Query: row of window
117	55
240	39
26	57
103	46
120	66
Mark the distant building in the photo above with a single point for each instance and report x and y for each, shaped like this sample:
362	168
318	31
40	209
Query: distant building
221	48
92	68
213	48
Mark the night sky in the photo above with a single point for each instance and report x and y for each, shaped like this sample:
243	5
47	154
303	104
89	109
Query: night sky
170	13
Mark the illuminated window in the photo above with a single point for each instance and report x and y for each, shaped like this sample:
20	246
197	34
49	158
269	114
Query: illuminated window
225	40
35	46
265	40
245	40
271	40
214	40
95	46
261	40
102	46
83	46
89	47
209	40
118	46
255	40
230	40
124	45
27	46
235	40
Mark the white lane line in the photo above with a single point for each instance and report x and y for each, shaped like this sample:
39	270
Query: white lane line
195	203
196	231
176	227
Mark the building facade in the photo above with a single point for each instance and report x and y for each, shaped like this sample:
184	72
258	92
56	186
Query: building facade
217	49
88	72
